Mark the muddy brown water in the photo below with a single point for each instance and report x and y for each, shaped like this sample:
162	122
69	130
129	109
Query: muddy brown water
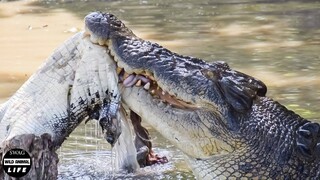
275	41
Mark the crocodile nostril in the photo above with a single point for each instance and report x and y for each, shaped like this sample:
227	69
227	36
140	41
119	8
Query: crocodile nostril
262	89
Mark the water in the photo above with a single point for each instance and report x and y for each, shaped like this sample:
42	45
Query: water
275	41
126	152
85	155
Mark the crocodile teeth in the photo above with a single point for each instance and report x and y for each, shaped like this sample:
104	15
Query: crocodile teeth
138	83
147	86
94	39
119	70
143	79
153	88
101	42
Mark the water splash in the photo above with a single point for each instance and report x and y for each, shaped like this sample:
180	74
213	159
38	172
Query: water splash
126	153
112	163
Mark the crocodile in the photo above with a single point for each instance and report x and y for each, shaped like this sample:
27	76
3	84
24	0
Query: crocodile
78	82
219	117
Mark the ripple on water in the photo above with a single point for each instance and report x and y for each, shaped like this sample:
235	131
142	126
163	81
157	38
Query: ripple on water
97	165
85	155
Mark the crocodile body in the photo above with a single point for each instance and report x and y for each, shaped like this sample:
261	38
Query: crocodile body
219	117
71	86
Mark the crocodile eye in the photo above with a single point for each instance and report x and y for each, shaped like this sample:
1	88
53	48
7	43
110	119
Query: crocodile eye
209	74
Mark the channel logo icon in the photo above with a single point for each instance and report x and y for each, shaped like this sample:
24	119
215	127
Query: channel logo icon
16	162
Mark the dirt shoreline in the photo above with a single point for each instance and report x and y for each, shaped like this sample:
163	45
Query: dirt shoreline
29	35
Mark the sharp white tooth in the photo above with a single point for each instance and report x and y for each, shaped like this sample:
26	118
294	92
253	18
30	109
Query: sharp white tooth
101	42
138	83
143	79
112	53
147	86
94	39
151	78
119	70
163	93
148	73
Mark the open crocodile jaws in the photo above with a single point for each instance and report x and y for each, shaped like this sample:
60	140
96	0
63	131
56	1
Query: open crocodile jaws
218	116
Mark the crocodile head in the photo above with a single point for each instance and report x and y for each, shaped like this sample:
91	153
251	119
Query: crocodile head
196	105
219	117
